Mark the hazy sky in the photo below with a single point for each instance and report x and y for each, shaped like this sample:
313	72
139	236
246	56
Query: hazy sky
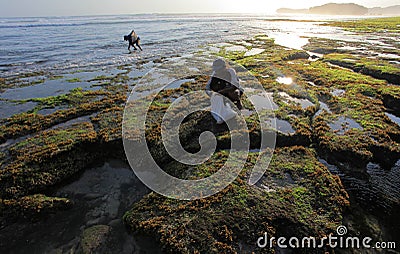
92	7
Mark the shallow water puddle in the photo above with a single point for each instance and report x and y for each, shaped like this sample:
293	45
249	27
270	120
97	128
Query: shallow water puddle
254	51
8	109
236	48
349	48
338	92
86	75
213	49
140	69
388	56
47	89
323	107
245	43
48	111
303	102
332	168
385	181
344	124
33	79
71	122
289	40
394	118
265	101
136	74
373	186
311	83
282	126
54	87
272	184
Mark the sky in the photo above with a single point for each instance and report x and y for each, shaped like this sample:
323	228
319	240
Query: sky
34	8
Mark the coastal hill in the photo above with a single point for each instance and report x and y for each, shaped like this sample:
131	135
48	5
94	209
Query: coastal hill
343	9
392	10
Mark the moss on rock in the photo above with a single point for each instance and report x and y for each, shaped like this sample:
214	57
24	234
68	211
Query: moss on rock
94	239
311	203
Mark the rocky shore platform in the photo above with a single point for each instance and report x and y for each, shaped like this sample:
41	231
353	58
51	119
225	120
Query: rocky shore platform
66	187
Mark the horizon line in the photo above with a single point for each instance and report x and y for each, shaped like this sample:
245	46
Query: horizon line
189	13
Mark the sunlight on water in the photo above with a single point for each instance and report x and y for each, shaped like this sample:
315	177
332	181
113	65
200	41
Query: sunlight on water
254	51
284	80
290	40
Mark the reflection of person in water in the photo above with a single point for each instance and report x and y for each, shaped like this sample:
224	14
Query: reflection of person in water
133	40
225	83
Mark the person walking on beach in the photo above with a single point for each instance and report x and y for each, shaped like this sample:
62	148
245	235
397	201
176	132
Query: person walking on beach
133	40
223	83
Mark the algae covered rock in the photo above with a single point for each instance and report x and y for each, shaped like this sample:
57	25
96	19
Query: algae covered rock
94	239
40	162
297	55
109	122
32	206
297	195
372	67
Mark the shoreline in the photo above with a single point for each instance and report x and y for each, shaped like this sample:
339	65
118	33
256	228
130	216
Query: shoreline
110	54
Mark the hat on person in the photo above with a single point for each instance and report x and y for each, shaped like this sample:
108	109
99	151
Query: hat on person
218	65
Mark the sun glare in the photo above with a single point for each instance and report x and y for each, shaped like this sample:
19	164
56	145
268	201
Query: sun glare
249	6
284	80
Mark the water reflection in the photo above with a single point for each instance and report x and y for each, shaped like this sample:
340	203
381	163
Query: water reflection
394	118
344	124
263	102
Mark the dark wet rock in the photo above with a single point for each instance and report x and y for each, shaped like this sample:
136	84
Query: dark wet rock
49	148
324	51
390	77
95	239
32	207
297	55
387	156
392	101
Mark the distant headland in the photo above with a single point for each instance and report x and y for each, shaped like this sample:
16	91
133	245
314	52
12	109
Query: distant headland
343	9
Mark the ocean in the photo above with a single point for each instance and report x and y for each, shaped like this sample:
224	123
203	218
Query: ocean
59	44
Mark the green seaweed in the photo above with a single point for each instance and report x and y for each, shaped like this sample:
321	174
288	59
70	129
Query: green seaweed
242	213
73	80
379	25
